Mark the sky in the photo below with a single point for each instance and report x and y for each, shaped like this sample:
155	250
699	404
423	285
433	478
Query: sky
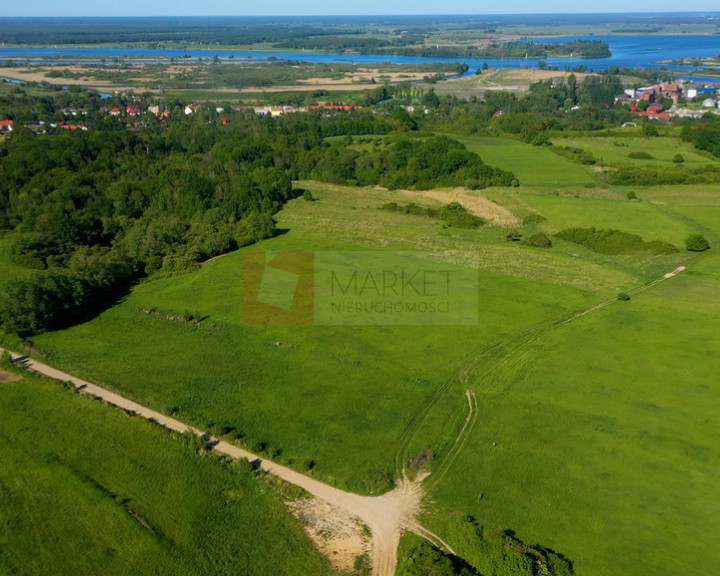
331	7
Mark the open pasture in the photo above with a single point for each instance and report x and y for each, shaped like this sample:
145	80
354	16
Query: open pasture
90	490
599	437
615	150
533	165
339	401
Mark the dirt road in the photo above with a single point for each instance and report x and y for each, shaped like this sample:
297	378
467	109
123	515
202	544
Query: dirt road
386	516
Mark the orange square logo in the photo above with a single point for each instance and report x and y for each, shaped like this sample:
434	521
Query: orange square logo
278	288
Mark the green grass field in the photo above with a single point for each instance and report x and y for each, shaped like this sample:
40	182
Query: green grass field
606	437
605	448
533	165
613	151
354	386
90	490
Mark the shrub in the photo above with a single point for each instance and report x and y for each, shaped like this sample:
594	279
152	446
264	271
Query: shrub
244	466
678	159
5	359
649	129
533	218
539	240
576	154
640	155
495	551
473	184
426	560
652	175
623	296
631	195
308	196
613	241
454	214
697	243
200	444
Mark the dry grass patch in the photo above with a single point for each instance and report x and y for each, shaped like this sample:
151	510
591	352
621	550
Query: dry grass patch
8	377
473	202
34	74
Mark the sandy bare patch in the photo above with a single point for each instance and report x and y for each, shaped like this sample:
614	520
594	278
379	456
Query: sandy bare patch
35	75
326	85
367	76
7	377
475	204
506	79
335	533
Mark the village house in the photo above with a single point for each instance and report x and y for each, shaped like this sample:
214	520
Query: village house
69	127
654	93
687	113
36	127
6	125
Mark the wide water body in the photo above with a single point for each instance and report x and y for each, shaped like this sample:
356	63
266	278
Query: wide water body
632	51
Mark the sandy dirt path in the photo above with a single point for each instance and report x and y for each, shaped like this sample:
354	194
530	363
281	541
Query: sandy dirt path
386	516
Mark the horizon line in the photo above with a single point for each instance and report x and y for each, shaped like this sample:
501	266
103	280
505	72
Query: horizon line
382	15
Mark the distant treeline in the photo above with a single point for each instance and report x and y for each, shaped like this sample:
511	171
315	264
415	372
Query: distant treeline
328	37
515	49
346	42
156	30
412	45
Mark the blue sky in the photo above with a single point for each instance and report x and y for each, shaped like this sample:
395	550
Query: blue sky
329	7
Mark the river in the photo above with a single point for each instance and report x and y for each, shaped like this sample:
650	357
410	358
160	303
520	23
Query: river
632	51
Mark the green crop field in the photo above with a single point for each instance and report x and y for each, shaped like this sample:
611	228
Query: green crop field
90	490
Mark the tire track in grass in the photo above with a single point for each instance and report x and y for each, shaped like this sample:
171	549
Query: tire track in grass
508	354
